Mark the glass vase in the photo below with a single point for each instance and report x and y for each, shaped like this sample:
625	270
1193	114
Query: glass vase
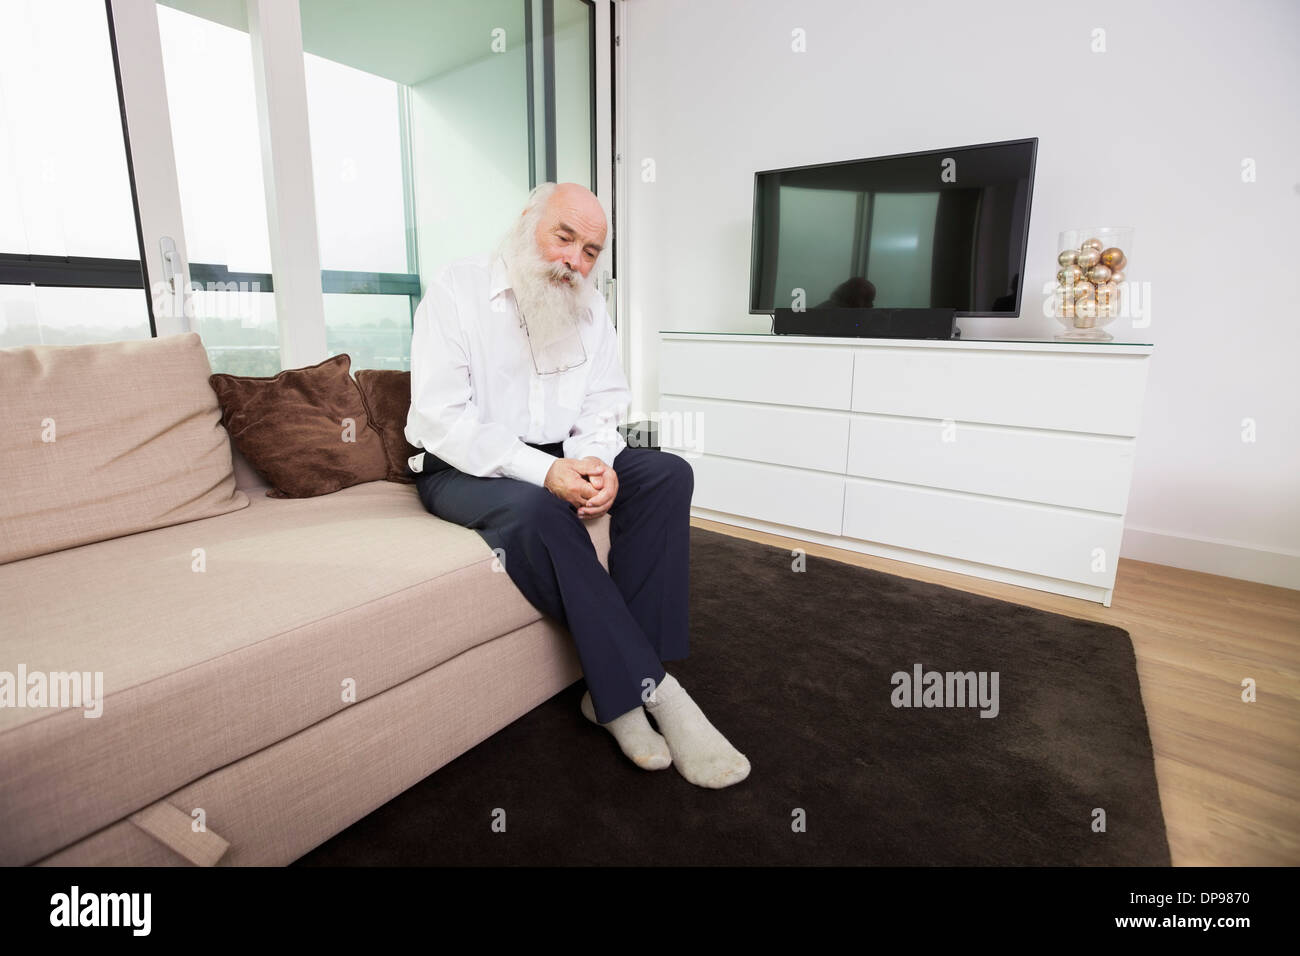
1092	280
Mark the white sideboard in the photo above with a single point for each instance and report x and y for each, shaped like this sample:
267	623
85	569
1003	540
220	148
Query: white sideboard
1008	460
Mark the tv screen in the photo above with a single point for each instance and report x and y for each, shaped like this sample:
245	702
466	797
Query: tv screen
946	228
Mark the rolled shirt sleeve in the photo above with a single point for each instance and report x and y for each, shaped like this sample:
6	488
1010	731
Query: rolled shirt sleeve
443	419
605	405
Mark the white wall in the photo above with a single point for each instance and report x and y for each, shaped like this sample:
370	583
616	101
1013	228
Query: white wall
1150	133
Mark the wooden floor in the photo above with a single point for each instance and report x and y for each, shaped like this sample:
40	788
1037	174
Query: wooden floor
1228	771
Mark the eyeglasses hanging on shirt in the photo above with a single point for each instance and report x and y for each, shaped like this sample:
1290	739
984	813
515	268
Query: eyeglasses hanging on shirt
565	356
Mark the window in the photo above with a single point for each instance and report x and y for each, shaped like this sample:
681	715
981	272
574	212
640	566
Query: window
69	255
429	124
364	210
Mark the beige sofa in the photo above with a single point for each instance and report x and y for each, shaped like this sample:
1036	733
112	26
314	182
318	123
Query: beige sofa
226	735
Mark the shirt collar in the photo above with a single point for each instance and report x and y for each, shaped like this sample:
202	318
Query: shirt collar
500	281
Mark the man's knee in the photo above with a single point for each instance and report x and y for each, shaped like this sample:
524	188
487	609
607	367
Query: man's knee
685	473
676	471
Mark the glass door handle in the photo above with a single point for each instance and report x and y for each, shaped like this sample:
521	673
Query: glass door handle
170	264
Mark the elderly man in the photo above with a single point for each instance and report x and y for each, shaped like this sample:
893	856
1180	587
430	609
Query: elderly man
516	394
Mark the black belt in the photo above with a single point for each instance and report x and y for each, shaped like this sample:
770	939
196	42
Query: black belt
433	464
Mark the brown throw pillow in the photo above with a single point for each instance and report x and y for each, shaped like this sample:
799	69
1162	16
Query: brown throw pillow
388	400
305	430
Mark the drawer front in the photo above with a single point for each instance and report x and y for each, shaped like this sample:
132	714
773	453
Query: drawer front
1058	468
800	437
1085	393
800	499
1037	539
811	376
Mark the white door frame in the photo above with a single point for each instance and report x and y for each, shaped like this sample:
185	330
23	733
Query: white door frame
609	186
280	86
152	159
611	179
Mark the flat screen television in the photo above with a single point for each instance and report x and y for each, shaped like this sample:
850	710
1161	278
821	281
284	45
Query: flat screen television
944	228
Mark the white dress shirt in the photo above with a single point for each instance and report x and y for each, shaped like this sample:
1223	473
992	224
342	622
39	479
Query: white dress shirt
476	395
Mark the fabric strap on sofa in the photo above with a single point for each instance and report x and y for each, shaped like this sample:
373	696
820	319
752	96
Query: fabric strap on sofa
173	828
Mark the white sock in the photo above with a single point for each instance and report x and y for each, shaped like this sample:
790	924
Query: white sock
701	754
635	736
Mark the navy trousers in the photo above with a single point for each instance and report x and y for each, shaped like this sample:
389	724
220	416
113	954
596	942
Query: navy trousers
625	622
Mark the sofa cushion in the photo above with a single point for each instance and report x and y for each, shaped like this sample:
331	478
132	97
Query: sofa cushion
306	429
109	439
387	393
220	637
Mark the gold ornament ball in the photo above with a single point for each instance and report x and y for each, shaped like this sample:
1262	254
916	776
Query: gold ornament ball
1085	308
1117	275
1114	258
1083	290
1089	258
1068	257
1107	300
1093	244
1069	275
1099	274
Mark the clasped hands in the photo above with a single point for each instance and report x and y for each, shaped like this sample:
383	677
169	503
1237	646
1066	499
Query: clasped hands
586	483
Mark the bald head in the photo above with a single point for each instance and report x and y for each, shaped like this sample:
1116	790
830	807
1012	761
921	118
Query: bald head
571	228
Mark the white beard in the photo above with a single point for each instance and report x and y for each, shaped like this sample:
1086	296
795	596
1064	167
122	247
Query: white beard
551	309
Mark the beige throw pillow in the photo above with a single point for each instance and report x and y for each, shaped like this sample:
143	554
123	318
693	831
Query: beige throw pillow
99	441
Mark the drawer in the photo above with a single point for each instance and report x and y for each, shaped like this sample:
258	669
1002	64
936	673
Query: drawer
1060	468
811	376
800	499
1094	393
800	437
1038	539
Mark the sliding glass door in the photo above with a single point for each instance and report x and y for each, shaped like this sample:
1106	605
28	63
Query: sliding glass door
309	166
212	108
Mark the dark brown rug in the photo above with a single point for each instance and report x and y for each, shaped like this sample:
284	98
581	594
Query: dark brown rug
796	668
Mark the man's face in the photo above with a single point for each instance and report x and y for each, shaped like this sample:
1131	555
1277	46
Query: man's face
572	233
